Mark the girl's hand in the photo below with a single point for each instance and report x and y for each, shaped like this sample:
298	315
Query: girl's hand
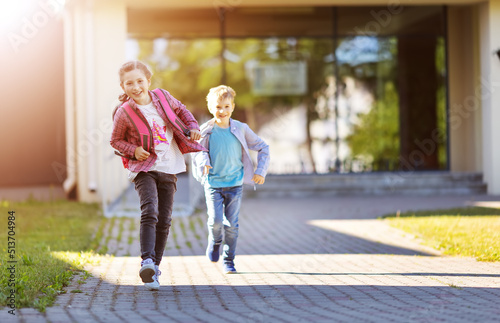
141	154
257	179
195	134
206	170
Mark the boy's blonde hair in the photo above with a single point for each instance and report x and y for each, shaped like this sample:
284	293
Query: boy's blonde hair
220	93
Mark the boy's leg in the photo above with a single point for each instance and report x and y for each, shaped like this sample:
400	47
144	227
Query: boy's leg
166	190
215	211
232	203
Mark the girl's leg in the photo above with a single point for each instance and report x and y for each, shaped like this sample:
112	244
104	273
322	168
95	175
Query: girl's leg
232	203
166	189
145	185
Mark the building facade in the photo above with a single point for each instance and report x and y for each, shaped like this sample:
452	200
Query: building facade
332	85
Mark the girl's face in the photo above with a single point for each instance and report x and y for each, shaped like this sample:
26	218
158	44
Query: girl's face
136	86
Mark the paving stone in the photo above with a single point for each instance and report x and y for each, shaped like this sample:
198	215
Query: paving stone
299	260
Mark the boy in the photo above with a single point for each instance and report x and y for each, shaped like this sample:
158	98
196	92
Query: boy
223	169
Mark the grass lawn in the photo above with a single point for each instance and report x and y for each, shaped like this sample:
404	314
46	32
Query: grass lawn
49	242
471	232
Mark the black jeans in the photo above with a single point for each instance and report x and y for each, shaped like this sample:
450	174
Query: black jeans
156	192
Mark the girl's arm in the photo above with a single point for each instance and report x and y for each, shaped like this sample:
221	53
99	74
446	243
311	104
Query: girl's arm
118	136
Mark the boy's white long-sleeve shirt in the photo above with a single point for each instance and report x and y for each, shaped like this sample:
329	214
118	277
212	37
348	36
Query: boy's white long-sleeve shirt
249	141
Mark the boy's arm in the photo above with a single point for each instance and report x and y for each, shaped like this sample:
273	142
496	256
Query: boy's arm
118	141
257	179
206	170
256	143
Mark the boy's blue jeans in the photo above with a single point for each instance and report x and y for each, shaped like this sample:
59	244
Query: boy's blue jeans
223	209
156	192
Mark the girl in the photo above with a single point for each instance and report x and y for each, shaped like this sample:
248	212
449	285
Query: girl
153	172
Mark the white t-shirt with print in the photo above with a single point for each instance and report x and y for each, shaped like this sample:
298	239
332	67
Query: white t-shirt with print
169	158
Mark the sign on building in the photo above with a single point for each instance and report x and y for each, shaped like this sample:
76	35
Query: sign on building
286	78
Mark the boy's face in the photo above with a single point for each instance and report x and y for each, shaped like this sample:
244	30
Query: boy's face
222	110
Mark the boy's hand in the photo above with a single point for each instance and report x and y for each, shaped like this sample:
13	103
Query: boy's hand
206	170
195	134
257	179
141	154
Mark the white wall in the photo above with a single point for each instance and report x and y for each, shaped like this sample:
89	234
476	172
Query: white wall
489	20
463	77
95	49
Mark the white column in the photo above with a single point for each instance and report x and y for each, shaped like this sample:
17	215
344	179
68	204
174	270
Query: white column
95	49
110	35
489	20
70	125
465	108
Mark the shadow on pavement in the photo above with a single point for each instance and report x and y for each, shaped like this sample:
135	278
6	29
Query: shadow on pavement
288	302
366	274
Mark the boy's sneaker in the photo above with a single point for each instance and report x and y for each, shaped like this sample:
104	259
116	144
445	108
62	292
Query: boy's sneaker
147	270
228	267
213	251
155	285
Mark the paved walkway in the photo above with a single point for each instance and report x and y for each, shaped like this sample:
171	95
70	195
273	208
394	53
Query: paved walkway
299	260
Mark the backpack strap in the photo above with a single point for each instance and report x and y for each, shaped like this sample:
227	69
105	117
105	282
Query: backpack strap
171	115
141	126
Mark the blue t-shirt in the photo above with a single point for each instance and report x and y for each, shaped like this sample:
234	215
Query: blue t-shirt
225	157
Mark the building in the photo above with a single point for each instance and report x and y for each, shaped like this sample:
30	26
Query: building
368	85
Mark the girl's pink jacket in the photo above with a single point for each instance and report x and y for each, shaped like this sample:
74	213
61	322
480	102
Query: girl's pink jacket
125	138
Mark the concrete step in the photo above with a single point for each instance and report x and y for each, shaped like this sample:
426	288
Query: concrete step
128	204
379	183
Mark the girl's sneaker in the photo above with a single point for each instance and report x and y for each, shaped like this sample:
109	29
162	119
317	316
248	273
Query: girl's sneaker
155	285
147	270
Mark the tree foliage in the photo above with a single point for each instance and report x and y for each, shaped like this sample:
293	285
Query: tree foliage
376	137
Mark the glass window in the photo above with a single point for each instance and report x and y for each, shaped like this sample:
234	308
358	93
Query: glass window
347	89
186	68
276	81
367	109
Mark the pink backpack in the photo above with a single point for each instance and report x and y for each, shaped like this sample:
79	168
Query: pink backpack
142	126
174	119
